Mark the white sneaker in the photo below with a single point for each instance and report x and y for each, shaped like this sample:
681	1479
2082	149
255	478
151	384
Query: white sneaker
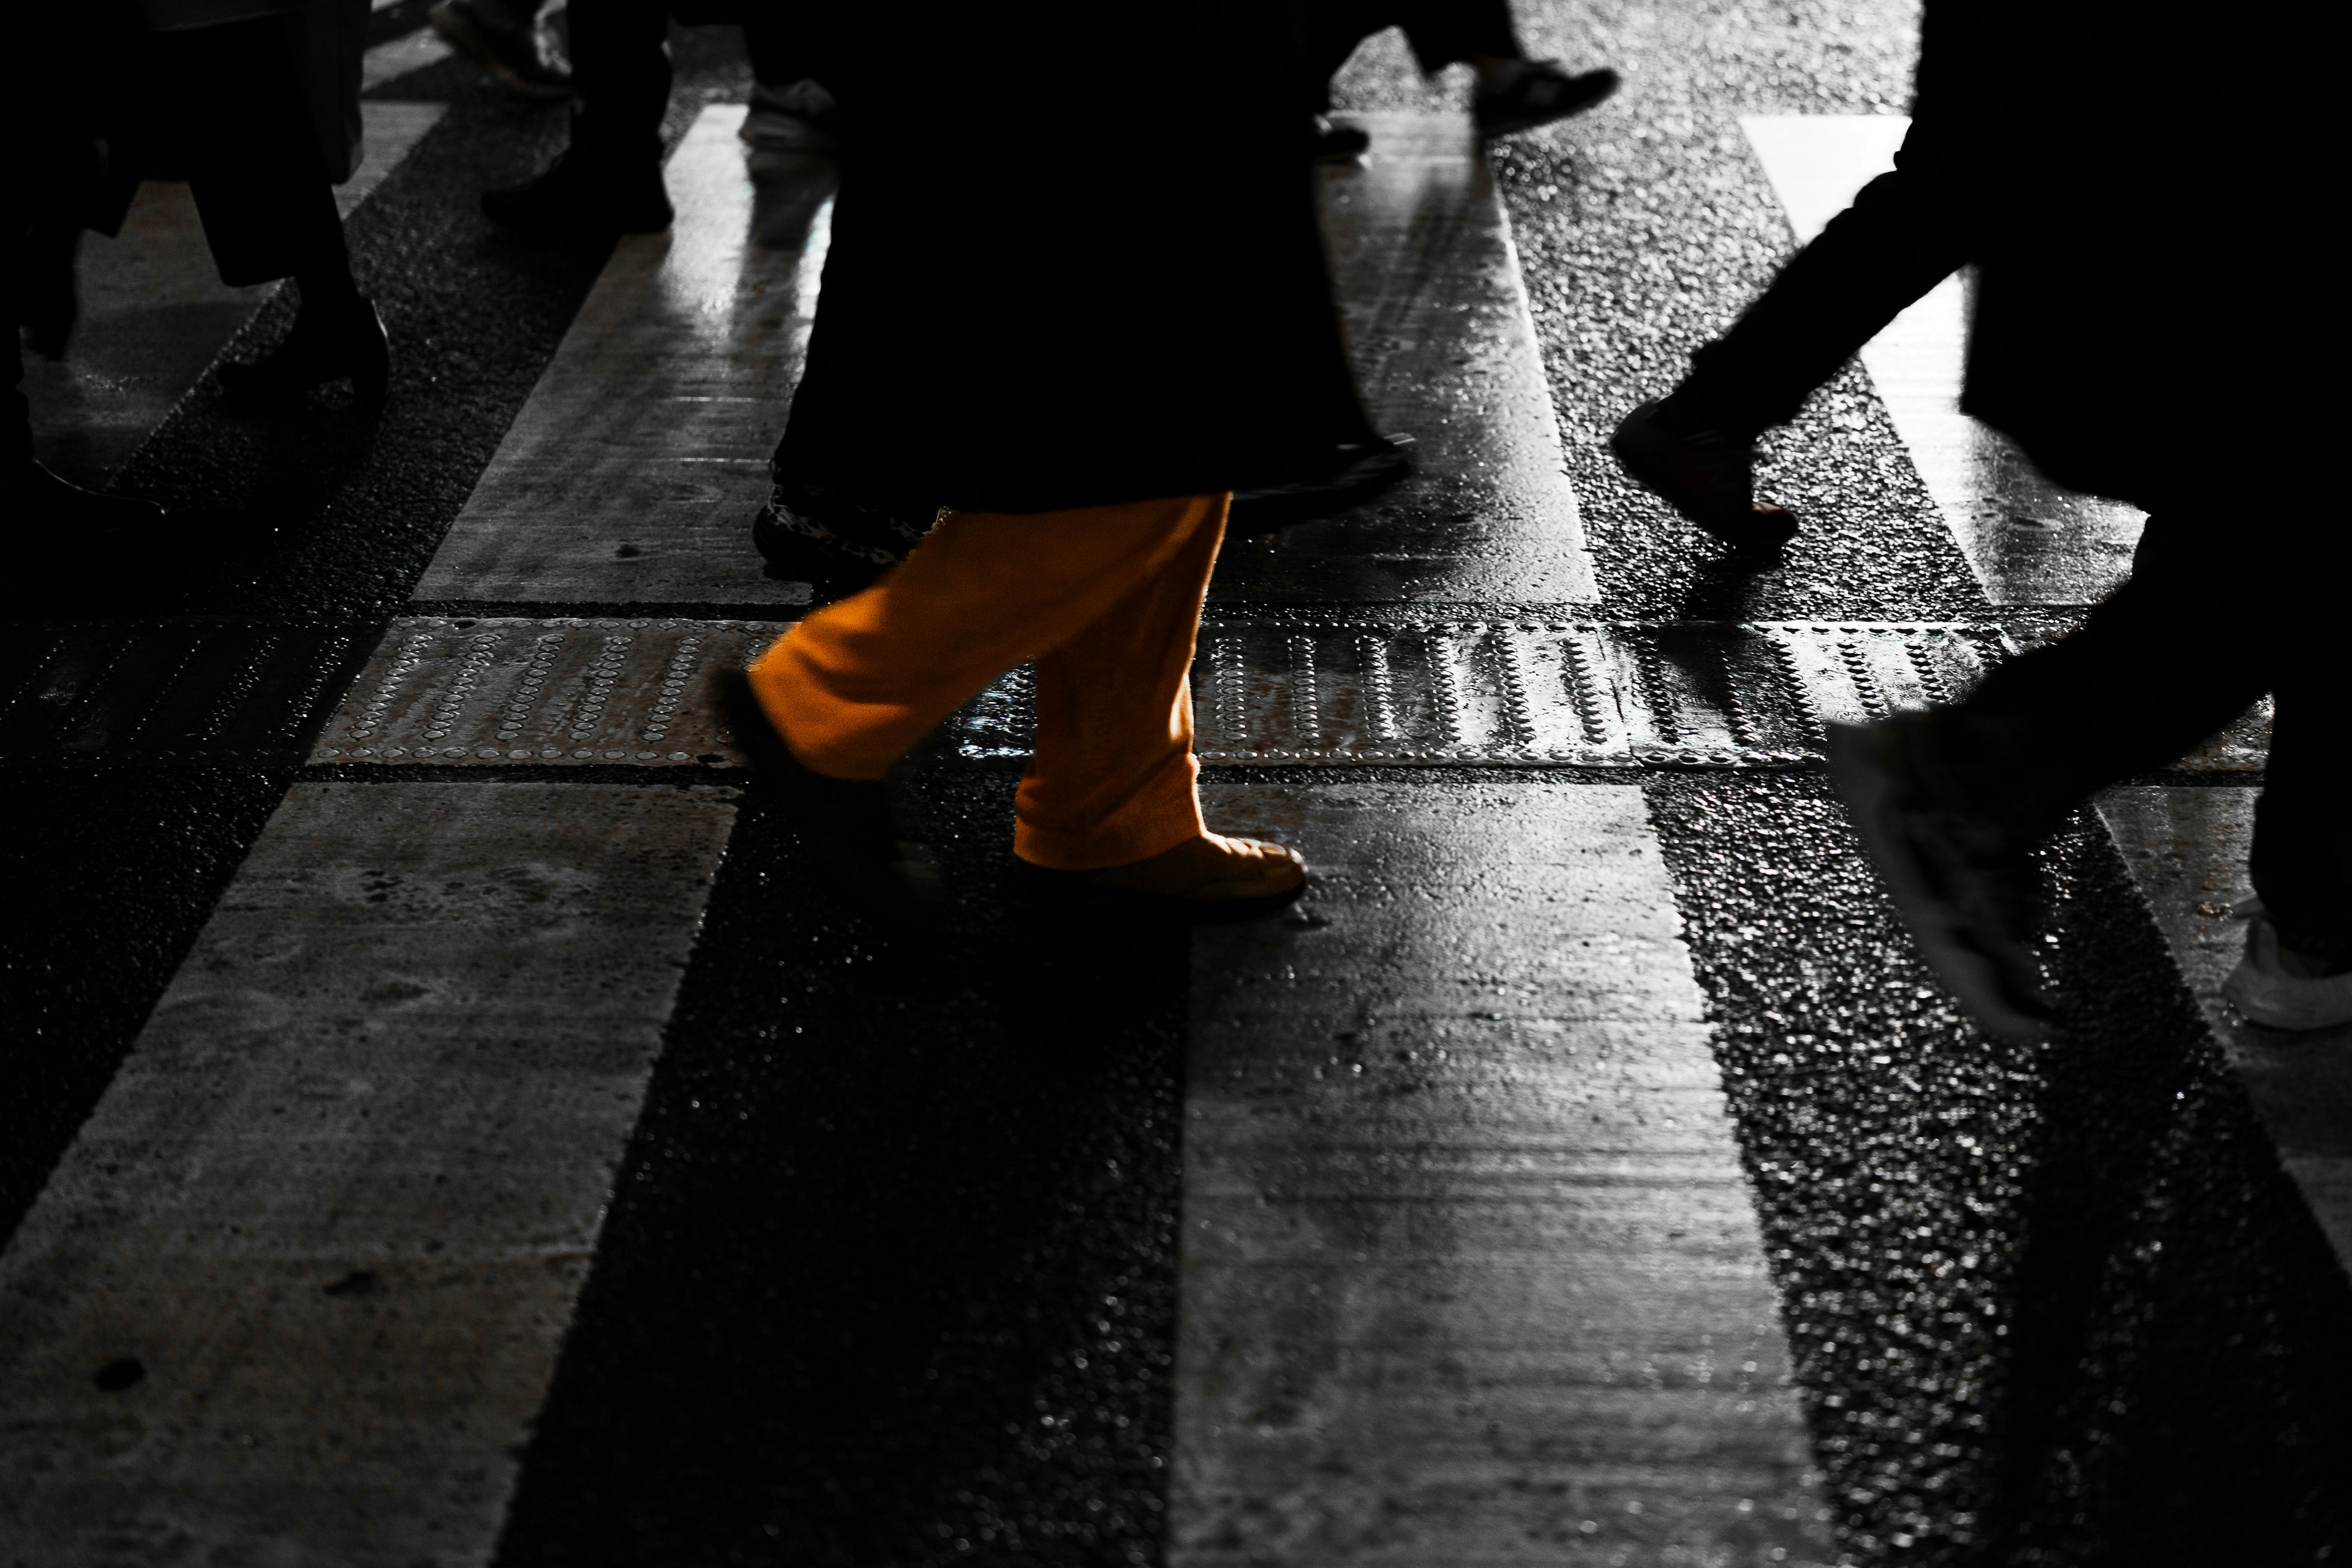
2267	994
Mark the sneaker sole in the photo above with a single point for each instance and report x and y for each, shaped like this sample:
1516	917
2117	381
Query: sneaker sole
1129	907
1976	978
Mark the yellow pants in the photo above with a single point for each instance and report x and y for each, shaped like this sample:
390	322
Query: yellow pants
1106	600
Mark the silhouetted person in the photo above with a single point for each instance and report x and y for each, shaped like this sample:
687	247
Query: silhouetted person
58	116
2137	341
609	180
1075	363
261	117
1515	93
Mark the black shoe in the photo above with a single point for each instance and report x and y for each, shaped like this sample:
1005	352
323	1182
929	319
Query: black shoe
582	196
851	822
1339	143
1963	888
57	517
1543	93
1706	476
322	347
1352	476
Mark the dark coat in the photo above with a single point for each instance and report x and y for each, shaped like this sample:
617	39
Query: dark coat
2129	194
1074	261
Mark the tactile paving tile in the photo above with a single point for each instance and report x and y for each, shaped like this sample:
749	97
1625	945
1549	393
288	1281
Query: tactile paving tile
558	692
1538	693
171	692
1337	691
1544	693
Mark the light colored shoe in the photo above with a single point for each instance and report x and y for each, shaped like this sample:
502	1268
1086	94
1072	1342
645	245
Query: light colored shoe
1967	897
1212	878
798	117
2268	993
525	58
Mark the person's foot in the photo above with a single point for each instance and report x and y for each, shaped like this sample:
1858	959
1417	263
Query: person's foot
1353	475
54	517
583	196
1212	878
525	58
325	344
1538	93
1339	143
850	822
1708	476
835	544
798	117
2283	989
1966	892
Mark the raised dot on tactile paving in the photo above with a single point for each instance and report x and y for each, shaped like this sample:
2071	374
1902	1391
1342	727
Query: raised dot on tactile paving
118	1374
616	754
647	756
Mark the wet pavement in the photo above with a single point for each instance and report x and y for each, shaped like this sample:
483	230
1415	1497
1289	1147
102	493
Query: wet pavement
451	1124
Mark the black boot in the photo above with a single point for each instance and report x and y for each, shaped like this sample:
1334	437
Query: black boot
583	196
328	343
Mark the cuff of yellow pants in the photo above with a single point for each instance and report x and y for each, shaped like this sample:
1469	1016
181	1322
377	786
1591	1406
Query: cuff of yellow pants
1155	820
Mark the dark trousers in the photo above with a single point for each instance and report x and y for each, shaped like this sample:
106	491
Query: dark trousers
620	78
1896	242
621	72
1439	33
229	116
2227	600
2228	596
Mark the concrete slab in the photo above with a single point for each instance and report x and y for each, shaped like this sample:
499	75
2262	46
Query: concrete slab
1445	349
632	473
155	313
295	1293
2029	541
2186	845
1471	1272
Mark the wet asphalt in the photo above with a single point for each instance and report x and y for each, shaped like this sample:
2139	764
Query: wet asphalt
889	1277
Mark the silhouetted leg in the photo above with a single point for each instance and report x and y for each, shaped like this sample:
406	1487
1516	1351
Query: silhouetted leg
1450	32
621	78
2217	606
2301	861
1897	240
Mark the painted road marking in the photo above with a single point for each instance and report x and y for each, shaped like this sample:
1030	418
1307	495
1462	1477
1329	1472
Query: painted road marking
2029	541
1471	1274
2187	849
338	1202
409	52
633	472
1445	349
155	313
